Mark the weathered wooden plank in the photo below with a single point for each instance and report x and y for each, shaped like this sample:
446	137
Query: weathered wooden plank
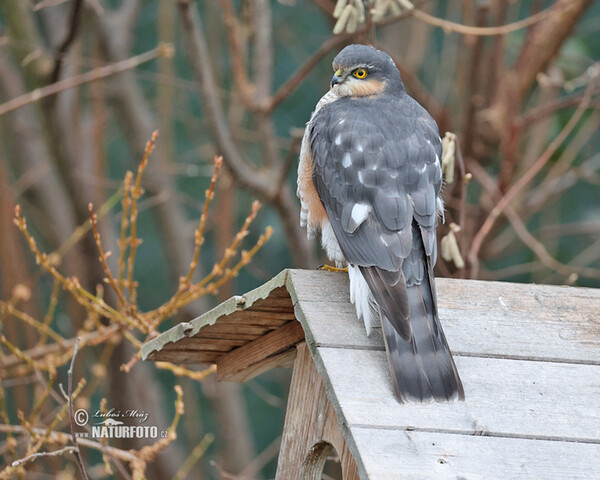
311	427
185	356
251	331
260	349
283	359
250	317
427	455
503	397
511	320
210	345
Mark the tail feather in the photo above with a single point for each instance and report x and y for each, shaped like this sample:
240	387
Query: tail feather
420	360
422	368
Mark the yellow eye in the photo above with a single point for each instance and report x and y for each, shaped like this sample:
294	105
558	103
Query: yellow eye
360	73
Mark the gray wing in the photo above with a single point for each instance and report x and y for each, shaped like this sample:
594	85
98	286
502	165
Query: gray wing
377	172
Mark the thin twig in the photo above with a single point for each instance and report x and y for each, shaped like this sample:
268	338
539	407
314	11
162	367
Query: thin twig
55	453
126	203
246	176
42	351
103	256
72	415
62	437
199	233
136	192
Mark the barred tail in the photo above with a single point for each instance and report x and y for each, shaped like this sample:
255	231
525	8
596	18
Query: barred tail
422	368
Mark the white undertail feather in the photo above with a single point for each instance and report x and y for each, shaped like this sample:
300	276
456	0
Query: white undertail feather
363	301
331	245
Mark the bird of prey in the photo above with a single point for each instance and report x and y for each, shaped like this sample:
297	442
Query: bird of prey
369	179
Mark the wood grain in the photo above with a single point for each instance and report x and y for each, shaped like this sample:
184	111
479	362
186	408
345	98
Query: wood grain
260	350
400	454
502	397
510	320
310	421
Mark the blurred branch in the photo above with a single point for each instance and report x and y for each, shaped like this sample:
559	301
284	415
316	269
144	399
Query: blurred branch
31	155
261	184
526	237
74	23
242	172
448	26
246	88
263	74
285	90
139	121
526	119
540	46
33	456
543	42
92	75
530	174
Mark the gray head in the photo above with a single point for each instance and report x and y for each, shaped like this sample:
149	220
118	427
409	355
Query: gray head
361	71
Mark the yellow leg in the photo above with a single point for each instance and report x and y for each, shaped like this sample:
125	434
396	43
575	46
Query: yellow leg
329	268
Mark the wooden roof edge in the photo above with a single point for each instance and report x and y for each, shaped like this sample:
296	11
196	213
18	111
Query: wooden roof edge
233	304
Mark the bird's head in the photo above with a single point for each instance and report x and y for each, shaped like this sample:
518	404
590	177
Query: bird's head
360	71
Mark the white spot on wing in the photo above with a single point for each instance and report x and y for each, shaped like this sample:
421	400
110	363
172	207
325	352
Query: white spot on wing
422	169
347	160
338	139
359	147
360	212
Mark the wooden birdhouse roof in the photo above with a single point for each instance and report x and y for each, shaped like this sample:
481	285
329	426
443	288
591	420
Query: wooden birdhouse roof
528	355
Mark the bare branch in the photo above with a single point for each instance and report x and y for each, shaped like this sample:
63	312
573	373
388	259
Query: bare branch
74	23
86	77
526	237
529	175
239	168
55	453
262	185
299	75
487	31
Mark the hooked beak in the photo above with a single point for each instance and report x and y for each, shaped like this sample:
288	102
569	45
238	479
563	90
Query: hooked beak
337	78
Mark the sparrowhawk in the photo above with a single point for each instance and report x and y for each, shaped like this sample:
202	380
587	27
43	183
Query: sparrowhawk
369	179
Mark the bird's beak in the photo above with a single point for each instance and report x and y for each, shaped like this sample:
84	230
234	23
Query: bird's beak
337	78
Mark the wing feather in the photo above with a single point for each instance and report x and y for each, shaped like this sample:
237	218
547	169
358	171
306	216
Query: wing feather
366	154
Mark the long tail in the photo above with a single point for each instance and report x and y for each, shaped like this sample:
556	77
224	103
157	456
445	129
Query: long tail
420	360
422	368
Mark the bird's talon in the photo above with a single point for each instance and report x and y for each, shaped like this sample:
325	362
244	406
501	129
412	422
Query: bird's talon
329	268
